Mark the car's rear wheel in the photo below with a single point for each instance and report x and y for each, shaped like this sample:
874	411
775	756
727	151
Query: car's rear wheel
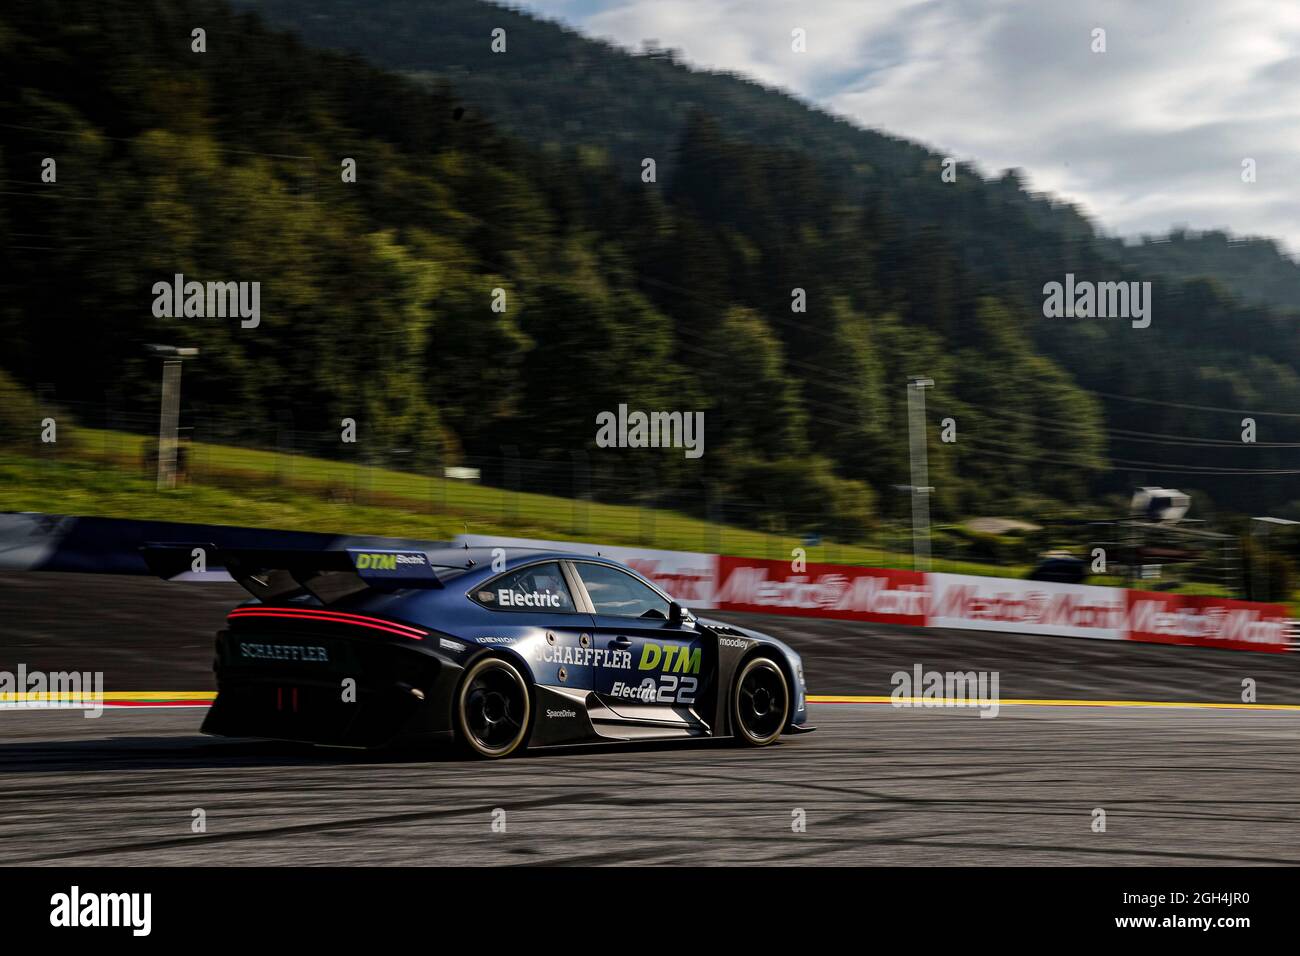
760	702
493	708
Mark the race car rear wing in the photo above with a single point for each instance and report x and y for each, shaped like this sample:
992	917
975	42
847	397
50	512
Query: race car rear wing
272	574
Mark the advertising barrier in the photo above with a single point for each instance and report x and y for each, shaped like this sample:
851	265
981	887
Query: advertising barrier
1207	622
1026	607
822	590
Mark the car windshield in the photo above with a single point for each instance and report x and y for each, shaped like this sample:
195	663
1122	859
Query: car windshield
619	594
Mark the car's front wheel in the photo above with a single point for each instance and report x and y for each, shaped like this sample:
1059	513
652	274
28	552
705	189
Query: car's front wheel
760	702
493	708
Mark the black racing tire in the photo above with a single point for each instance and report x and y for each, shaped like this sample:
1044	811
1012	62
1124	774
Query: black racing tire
760	702
493	708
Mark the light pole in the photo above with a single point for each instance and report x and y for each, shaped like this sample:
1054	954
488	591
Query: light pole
920	472
170	411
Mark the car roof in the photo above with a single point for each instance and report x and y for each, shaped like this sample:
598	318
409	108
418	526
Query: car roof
482	557
474	566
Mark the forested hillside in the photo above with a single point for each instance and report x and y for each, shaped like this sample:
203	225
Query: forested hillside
552	85
1225	311
377	295
1253	269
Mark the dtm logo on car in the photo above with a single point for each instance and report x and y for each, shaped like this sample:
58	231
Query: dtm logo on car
529	599
368	561
669	658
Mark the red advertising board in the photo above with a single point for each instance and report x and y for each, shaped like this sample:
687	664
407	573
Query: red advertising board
821	590
1026	607
1206	621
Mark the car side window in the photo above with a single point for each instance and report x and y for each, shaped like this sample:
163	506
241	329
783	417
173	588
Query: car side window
537	588
617	593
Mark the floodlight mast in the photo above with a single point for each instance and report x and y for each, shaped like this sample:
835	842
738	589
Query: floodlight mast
920	486
1265	523
170	409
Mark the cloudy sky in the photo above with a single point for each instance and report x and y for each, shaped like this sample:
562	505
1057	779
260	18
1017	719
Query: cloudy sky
1149	134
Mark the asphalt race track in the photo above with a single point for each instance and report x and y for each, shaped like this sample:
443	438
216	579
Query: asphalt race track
875	784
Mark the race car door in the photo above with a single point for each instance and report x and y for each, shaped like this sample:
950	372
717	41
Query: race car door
647	672
540	620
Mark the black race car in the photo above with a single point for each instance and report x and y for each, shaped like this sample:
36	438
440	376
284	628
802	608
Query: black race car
499	651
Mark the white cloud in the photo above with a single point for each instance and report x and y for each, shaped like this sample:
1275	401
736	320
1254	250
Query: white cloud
1149	134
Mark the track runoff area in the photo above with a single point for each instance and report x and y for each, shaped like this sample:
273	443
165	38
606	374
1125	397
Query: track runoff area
1103	754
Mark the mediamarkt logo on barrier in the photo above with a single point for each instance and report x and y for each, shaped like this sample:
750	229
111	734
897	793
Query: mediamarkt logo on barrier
822	590
1206	621
1027	607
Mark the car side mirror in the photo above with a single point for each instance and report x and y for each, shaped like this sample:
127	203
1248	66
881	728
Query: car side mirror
675	614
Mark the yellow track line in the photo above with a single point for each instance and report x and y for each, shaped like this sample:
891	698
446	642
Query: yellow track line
947	702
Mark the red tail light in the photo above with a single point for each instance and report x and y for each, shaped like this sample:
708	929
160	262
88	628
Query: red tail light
331	617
